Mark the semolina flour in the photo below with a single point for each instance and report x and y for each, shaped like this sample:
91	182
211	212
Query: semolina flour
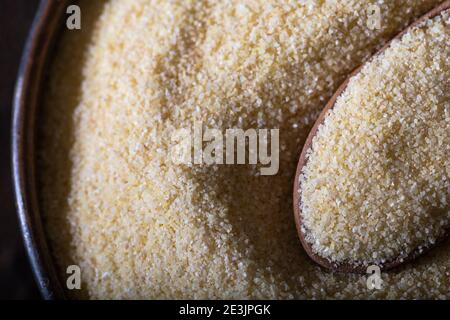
141	227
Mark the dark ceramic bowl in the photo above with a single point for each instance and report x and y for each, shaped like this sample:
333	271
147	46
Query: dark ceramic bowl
46	27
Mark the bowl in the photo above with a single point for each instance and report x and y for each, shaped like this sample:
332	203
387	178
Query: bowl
45	30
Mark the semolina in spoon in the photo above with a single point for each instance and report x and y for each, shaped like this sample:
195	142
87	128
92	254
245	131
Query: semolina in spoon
372	182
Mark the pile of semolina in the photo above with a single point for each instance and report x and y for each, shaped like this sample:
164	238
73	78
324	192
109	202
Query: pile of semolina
141	227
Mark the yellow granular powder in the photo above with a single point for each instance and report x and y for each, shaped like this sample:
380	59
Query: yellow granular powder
376	183
142	227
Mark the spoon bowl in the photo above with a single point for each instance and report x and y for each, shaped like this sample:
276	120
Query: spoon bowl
353	266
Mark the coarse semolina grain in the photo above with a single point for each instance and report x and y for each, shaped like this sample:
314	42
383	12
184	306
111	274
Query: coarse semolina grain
142	227
375	186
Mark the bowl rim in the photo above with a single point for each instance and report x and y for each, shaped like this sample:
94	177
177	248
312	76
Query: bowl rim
30	78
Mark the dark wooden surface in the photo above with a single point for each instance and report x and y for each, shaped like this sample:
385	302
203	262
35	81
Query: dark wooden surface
16	279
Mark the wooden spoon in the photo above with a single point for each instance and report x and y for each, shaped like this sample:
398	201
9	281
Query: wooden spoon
353	266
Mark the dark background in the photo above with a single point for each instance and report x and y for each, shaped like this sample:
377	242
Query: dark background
16	278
